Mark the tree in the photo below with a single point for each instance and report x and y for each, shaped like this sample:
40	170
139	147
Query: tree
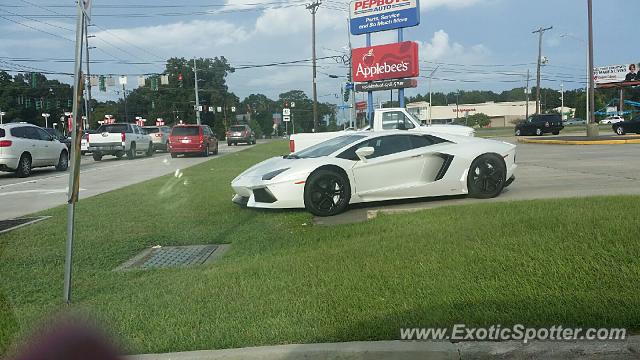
479	119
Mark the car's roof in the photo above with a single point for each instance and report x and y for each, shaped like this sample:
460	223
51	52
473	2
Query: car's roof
188	125
12	125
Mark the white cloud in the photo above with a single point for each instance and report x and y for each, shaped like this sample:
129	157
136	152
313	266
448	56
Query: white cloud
442	48
452	4
292	20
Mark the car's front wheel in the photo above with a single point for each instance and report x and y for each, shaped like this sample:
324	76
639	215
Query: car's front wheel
620	130
63	162
97	156
538	131
326	193
518	132
487	176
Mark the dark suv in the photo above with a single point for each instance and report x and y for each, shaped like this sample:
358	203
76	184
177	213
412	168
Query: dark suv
540	124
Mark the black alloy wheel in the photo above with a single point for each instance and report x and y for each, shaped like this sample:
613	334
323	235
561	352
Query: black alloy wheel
326	193
487	176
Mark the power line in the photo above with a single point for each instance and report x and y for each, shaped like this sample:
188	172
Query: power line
36	29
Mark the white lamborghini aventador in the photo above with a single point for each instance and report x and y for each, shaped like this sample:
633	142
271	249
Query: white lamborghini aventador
375	166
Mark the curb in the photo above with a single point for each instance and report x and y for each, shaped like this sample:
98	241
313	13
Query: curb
423	350
580	142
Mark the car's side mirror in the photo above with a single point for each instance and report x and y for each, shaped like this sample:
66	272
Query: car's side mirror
365	152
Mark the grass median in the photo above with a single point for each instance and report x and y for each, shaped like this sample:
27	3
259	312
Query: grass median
570	262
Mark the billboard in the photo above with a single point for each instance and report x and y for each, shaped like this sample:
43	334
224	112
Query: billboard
387	85
381	62
617	74
369	16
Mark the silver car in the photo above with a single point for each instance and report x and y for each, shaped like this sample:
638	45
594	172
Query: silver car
159	136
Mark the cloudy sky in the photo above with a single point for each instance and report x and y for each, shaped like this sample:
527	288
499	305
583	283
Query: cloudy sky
479	44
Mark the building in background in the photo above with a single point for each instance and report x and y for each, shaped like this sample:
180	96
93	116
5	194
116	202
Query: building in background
502	114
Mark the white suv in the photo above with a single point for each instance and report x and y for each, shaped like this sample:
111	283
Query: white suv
24	146
612	119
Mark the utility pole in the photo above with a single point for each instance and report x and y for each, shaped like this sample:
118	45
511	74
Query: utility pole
353	115
313	8
87	102
195	72
457	105
527	91
124	95
592	127
430	91
562	101
540	32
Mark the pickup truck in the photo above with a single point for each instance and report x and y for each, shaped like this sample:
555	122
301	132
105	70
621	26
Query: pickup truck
119	139
383	119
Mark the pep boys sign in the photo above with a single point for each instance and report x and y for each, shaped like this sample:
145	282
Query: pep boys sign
367	16
390	61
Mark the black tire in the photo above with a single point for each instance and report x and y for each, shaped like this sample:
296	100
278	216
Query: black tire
228	143
215	152
518	132
63	162
119	154
619	130
556	133
206	152
487	176
131	154
326	193
166	147
97	156
24	166
174	155
150	150
539	132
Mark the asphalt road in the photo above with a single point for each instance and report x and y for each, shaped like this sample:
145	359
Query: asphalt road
47	188
544	172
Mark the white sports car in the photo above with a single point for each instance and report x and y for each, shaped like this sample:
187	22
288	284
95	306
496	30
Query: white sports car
375	166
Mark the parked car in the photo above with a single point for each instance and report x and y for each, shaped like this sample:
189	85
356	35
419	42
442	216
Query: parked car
58	136
375	166
240	134
576	121
24	147
119	139
159	136
612	119
540	124
192	139
627	126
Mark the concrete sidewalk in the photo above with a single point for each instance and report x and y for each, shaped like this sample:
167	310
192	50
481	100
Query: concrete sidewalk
422	350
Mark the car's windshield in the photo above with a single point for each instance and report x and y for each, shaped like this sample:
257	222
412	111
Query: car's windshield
185	131
113	128
327	147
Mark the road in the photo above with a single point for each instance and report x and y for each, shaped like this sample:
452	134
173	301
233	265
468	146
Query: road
544	172
47	188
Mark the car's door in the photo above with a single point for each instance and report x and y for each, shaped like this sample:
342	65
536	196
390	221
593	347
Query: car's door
21	143
394	168
50	147
634	125
141	141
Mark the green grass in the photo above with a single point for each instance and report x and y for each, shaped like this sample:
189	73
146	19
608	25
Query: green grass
508	131
571	262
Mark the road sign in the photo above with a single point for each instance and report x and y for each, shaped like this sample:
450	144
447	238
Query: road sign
286	118
286	112
361	105
293	104
390	61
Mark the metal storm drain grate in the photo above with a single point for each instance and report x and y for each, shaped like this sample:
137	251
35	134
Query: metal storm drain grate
171	256
12	224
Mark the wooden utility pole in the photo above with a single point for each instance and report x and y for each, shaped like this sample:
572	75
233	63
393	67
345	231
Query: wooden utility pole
540	32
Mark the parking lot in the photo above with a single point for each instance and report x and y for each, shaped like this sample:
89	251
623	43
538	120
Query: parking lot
544	172
47	188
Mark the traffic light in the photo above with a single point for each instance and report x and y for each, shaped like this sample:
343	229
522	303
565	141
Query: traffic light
346	94
154	84
69	103
102	84
34	80
180	80
38	104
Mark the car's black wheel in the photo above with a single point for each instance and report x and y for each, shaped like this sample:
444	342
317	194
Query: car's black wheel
538	131
97	156
63	162
215	152
228	143
132	152
24	166
620	130
150	150
206	151
119	154
518	132
487	176
326	193
556	133
166	147
174	155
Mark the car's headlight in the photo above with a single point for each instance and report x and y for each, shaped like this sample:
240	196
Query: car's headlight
272	174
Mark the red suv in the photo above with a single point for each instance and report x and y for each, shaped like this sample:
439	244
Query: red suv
194	139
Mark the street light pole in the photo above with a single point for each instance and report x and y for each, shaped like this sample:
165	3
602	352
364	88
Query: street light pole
314	8
430	90
195	72
2	114
540	32
592	127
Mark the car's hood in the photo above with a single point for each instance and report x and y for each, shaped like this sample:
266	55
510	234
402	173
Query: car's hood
275	163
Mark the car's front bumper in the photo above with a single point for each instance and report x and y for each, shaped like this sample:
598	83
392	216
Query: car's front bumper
255	192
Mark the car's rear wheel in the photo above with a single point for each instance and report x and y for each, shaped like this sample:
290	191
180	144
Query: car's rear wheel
487	176
150	150
326	193
24	166
206	151
174	155
556	133
132	152
620	130
215	152
538	131
166	147
228	143
63	162
97	156
119	154
518	132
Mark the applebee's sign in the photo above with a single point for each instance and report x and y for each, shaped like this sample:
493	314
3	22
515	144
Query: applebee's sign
390	61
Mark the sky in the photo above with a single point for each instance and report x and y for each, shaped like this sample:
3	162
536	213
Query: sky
478	44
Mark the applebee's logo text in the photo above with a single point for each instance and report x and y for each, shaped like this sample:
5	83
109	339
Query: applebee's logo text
384	68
